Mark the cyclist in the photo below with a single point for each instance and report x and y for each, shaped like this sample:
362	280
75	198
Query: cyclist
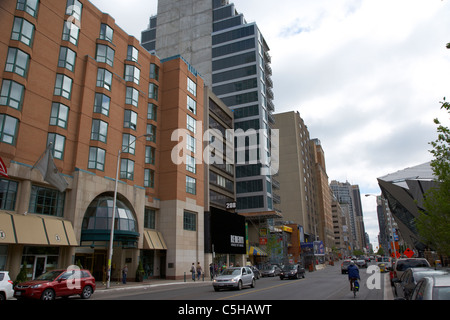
353	273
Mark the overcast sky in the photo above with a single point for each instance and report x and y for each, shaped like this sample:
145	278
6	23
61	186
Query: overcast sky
366	76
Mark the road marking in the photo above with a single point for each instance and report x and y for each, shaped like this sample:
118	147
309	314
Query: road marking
257	290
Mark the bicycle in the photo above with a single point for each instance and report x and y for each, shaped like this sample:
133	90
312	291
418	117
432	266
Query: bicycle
355	286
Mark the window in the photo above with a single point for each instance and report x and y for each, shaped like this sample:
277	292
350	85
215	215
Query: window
132	53
191	105
149	218
192	87
46	201
23	31
105	54
152	112
96	158
151	130
29	6
59	115
190	163
132	74
154	72
70	32
104	79
130	119
63	86
153	91
8	194
190	143
99	130
67	58
190	185
149	178
189	221
150	156
12	94
106	32
128	143
126	169
191	124
17	62
58	142
101	104
8	129
74	8
132	96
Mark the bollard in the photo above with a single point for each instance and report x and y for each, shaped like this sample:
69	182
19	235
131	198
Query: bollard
185	277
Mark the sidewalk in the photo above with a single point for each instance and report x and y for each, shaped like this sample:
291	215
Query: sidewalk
149	283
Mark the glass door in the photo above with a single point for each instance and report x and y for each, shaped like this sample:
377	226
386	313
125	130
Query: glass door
39	266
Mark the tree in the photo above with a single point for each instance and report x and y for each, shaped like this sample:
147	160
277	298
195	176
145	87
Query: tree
434	224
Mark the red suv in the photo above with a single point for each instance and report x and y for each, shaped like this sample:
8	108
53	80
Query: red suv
57	283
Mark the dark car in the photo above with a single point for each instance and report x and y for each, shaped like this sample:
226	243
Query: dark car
344	266
57	283
292	271
270	271
404	287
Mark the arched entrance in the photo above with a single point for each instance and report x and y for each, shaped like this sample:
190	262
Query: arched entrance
96	231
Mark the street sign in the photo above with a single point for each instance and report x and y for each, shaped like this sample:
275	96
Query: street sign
408	252
3	170
393	255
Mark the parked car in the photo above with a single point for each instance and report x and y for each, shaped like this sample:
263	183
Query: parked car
403	264
292	271
256	272
361	263
271	271
404	287
344	266
57	283
234	278
6	286
436	287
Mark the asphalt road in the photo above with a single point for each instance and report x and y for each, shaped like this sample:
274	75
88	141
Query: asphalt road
326	284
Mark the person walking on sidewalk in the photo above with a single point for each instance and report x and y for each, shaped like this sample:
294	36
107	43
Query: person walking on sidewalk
199	270
193	271
124	274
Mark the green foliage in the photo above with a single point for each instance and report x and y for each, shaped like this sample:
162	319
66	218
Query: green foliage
434	224
22	276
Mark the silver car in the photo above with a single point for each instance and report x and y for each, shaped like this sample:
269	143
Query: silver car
6	286
433	288
234	278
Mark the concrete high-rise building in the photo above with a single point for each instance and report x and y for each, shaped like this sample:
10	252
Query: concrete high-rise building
324	196
298	183
349	195
233	58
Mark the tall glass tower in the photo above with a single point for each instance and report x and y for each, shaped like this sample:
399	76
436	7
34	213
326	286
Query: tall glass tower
233	58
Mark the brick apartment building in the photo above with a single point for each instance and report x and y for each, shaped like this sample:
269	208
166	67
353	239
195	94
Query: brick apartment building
71	77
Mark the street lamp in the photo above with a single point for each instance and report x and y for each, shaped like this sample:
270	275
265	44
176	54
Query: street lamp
111	237
392	230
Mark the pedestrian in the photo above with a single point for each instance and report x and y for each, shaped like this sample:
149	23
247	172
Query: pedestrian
211	271
199	270
124	274
193	271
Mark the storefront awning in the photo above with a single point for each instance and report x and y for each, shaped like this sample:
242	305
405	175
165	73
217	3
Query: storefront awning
36	230
255	251
153	240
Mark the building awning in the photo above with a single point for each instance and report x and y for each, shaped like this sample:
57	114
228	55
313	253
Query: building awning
255	251
36	230
153	240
